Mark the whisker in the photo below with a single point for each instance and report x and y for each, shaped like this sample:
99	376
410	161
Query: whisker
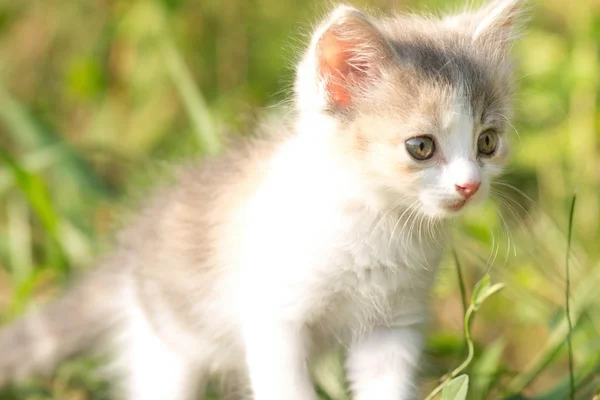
505	224
397	204
398	221
491	257
519	191
505	201
401	234
509	236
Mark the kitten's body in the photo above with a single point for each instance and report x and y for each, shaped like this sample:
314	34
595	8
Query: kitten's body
319	235
336	273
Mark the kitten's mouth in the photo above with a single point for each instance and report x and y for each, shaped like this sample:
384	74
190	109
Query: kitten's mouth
456	206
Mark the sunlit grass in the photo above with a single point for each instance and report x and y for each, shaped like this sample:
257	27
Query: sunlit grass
100	91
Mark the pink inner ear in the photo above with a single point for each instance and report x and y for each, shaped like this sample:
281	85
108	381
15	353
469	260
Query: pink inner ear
337	62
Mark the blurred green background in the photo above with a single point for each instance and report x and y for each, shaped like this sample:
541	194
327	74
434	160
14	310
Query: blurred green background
97	97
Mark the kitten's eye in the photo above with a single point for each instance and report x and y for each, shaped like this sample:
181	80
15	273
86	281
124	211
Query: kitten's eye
421	147
487	142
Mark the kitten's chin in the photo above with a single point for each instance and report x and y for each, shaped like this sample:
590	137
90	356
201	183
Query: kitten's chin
449	209
452	209
443	213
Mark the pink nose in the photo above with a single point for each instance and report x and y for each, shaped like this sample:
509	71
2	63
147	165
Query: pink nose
467	189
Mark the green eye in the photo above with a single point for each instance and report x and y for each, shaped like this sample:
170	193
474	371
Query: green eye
487	142
420	147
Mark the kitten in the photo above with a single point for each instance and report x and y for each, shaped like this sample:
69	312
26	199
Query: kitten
327	232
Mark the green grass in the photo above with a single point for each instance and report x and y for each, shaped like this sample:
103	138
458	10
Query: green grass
96	96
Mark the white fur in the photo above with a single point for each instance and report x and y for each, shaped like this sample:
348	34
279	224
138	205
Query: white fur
149	366
382	364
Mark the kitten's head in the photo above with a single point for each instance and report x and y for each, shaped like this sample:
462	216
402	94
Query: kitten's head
421	106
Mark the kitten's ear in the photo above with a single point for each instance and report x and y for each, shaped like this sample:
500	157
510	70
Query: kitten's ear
498	23
347	53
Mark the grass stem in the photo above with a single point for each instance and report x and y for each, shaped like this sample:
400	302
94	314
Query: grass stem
461	282
568	301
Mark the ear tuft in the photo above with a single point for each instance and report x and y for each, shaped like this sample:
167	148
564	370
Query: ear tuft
499	22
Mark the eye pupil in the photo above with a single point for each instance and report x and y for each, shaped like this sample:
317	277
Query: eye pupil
487	142
420	147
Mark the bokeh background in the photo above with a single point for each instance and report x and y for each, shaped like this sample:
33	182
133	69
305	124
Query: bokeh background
98	98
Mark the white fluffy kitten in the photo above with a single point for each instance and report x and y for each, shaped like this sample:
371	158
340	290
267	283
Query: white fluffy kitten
327	232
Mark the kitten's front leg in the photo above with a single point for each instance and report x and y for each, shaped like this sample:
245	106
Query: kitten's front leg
381	364
276	359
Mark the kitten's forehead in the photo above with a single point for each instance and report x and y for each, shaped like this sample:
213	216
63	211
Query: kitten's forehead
437	63
447	113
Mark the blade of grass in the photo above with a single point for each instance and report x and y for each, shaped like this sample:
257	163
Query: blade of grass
19	238
23	292
38	198
34	161
486	369
329	376
584	375
30	132
461	282
568	301
584	297
193	100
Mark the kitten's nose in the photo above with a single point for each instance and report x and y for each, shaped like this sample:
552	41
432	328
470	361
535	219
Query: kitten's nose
468	189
